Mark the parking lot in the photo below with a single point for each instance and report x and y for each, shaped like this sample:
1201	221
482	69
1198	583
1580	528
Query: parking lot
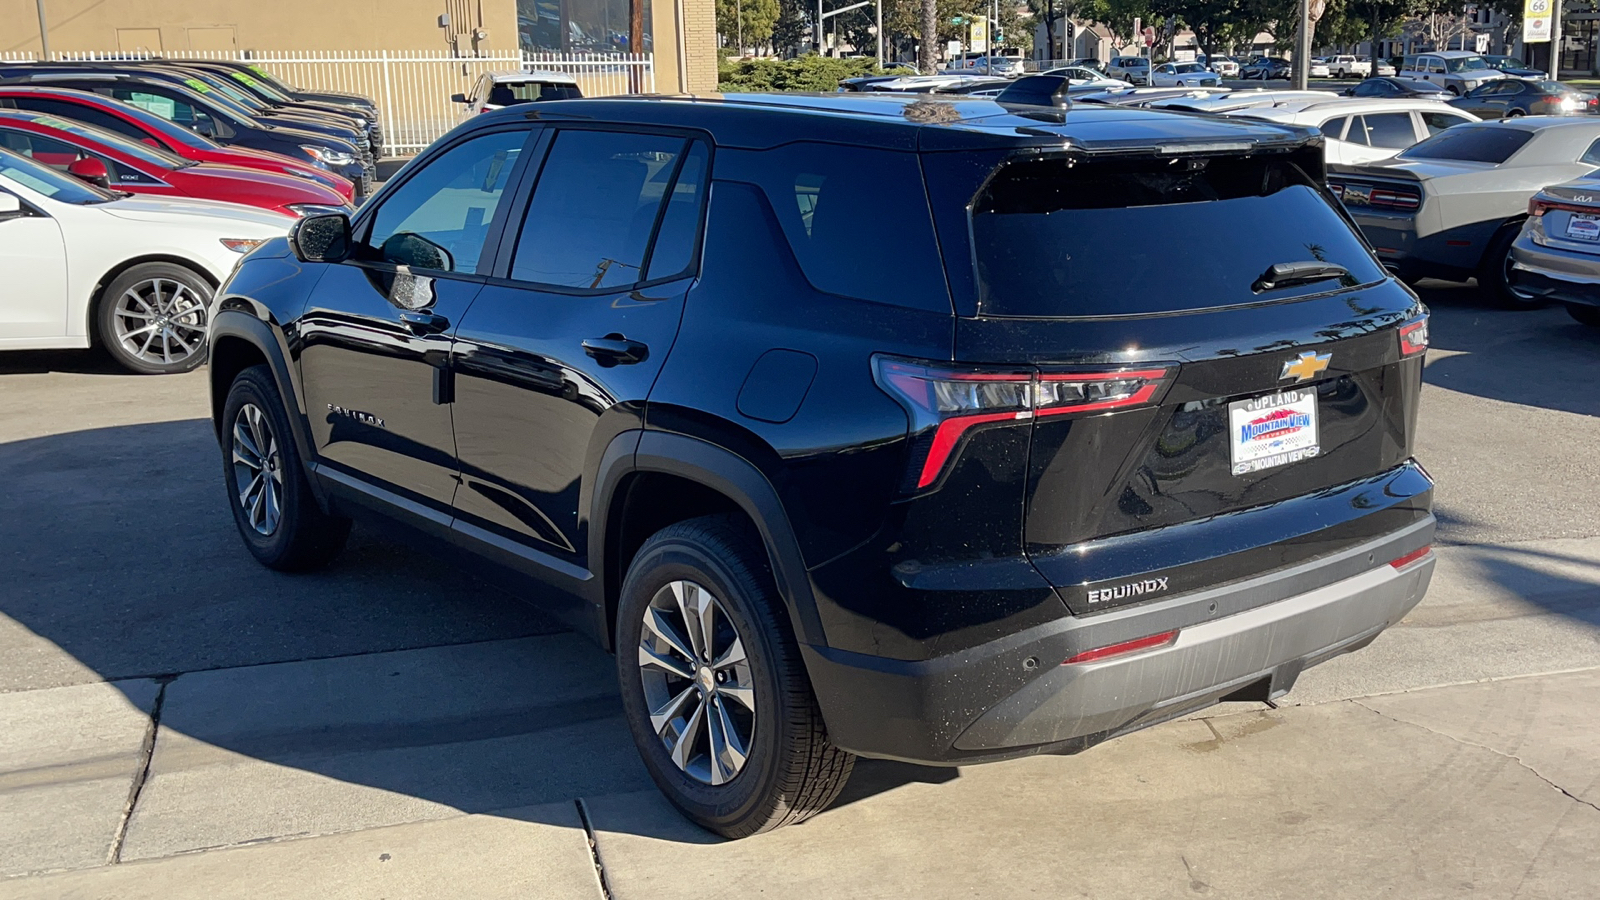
184	723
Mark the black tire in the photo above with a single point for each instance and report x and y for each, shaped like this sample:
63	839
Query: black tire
128	315
791	769
303	536
1588	315
1494	271
1515	113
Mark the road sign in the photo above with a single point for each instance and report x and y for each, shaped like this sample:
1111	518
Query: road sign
958	20
1480	43
1536	21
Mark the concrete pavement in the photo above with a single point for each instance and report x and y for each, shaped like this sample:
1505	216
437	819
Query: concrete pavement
181	723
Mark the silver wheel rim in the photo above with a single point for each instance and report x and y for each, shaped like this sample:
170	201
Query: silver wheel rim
160	321
697	683
257	470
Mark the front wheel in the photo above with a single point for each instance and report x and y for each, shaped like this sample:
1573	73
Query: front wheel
713	687
152	319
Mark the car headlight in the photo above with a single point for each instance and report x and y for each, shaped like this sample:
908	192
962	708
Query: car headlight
242	245
330	157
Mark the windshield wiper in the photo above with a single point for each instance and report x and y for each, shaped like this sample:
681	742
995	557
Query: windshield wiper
1291	274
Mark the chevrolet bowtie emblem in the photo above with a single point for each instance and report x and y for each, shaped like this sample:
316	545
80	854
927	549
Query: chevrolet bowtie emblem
1306	367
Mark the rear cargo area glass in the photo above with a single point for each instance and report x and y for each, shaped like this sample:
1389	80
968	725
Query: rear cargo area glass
1058	239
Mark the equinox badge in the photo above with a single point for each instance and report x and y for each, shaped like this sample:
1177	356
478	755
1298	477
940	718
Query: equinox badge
1131	589
1306	367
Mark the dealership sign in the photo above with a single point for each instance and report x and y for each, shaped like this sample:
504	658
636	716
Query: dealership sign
1536	21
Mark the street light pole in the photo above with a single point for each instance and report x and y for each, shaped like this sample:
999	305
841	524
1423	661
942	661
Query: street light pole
1555	41
880	33
1302	48
44	30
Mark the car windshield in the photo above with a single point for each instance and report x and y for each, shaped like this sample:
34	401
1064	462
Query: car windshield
45	181
1466	64
260	87
527	91
274	80
1191	67
1486	144
127	146
219	99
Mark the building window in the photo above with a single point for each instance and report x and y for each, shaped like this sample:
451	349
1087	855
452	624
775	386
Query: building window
578	26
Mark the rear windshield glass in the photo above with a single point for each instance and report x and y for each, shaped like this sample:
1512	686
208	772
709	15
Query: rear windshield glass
1136	237
1493	144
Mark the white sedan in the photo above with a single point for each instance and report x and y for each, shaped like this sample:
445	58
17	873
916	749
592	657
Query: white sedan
1189	74
1319	69
1078	76
84	266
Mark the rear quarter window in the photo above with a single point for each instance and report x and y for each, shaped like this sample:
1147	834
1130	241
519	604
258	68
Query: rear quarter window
1053	240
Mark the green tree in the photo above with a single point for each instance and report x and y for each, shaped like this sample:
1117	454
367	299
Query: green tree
746	23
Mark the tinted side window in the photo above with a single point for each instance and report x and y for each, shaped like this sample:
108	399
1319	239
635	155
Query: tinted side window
84	114
1334	128
1436	122
53	153
679	233
440	217
1591	156
1391	130
1490	144
169	107
599	194
827	196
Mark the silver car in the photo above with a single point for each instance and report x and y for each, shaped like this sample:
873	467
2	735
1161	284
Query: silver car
1451	206
1457	71
1557	254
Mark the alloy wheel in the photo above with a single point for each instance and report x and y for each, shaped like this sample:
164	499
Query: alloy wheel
257	470
697	683
160	321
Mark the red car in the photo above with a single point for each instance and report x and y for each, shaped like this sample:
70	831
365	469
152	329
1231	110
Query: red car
142	125
113	161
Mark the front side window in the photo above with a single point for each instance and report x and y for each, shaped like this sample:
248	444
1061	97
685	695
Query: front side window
47	181
596	206
439	218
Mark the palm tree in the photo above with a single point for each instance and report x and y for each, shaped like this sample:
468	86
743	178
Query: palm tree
930	35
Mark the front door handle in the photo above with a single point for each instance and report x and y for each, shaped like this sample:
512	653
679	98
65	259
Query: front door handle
616	350
423	323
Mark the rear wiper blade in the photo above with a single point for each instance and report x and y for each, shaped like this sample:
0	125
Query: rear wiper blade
1290	274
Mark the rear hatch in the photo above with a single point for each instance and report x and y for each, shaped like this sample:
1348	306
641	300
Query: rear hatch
1224	380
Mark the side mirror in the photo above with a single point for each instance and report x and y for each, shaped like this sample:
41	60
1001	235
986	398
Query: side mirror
458	98
91	170
10	207
323	238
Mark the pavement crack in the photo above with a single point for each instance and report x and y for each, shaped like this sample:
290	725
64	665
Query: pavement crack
1466	743
147	750
594	848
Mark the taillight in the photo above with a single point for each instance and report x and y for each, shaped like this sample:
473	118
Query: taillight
1394	198
1164	639
1538	206
947	401
1414	337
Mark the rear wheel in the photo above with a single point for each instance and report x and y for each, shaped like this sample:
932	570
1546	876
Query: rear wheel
153	318
1588	315
713	686
1515	113
1494	272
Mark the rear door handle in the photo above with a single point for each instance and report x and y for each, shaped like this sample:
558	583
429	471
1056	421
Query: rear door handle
616	350
421	323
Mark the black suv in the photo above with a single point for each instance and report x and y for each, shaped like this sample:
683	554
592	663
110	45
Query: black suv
1008	477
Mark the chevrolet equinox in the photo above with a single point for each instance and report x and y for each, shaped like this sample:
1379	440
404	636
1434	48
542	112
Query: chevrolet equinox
1011	476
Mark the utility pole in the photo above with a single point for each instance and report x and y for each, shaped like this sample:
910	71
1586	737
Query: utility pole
1302	48
1555	41
880	33
44	31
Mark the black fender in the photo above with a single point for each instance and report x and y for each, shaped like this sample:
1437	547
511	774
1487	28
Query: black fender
727	473
242	324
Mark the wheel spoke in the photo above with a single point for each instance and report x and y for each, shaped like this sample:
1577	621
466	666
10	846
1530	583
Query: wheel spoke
742	694
661	628
272	510
155	293
256	510
728	751
650	659
138	331
187	347
731	656
243	438
133	295
252	416
683	747
698	609
166	345
246	496
661	718
145	350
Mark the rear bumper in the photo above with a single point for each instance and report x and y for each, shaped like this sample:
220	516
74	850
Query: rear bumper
1561	275
1014	697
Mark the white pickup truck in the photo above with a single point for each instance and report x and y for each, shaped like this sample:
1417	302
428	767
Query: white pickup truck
1347	66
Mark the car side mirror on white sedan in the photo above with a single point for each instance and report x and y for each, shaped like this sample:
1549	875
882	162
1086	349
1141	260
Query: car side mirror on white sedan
10	207
324	238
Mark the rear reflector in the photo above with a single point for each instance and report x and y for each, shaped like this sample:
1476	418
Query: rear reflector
1411	557
1134	646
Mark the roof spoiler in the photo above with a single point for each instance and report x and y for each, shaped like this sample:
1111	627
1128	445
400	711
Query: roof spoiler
1037	90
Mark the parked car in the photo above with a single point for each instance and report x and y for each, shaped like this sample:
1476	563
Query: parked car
497	90
1451	206
1394	88
854	511
1556	256
1083	77
1508	98
1184	75
1002	66
1360	131
1457	71
1349	66
365	115
1132	69
108	159
149	128
1087	62
271	79
1138	98
1227	101
1225	66
86	266
1267	69
1514	67
1318	69
205	116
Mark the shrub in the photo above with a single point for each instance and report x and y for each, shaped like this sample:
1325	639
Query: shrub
804	73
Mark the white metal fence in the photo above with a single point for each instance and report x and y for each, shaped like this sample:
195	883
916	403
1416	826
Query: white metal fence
413	88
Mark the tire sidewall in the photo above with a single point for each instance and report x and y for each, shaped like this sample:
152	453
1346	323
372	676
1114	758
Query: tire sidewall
1492	274
255	386
658	564
105	319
